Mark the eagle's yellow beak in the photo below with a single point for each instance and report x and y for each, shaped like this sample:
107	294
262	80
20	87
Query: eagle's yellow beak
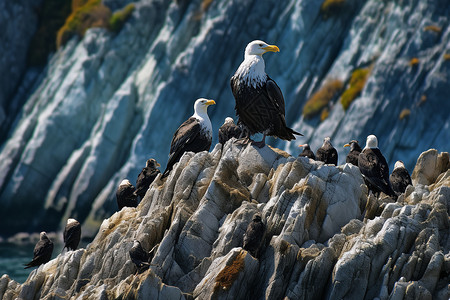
347	145
271	48
210	102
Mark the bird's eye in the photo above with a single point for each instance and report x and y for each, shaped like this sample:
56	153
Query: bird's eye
261	45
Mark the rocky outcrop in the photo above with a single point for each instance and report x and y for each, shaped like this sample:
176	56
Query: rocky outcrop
326	237
110	101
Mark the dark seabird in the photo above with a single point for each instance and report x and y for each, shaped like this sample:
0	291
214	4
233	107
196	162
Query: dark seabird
259	101
146	177
72	234
355	150
327	153
374	168
254	236
195	134
229	130
42	251
307	152
125	195
400	178
139	256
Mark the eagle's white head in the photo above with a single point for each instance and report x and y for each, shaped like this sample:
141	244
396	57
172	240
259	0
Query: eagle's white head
399	164
201	113
371	142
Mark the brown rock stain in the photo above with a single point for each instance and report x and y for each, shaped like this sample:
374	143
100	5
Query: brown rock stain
229	274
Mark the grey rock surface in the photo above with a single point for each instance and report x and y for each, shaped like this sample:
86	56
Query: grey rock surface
320	242
110	101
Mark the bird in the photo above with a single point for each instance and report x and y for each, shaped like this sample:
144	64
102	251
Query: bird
229	130
146	177
400	178
307	152
374	168
125	195
195	134
72	234
139	256
327	153
259	101
355	150
42	251
254	235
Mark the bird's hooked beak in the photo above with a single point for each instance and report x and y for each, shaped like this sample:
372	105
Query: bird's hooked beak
271	48
301	145
210	102
158	165
347	145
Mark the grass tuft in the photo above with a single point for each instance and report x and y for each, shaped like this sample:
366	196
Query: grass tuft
321	98
433	28
324	114
331	6
87	14
357	83
413	62
119	18
404	113
447	56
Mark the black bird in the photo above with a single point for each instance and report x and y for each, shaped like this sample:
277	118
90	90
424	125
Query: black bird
72	234
195	134
327	153
259	101
146	177
42	251
400	178
125	195
229	130
307	152
254	236
140	257
355	150
374	168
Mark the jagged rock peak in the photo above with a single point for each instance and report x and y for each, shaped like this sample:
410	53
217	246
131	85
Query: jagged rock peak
326	238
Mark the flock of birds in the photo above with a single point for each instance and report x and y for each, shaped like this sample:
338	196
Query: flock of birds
260	108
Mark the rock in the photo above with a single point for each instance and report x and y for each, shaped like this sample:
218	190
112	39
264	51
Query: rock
107	102
430	165
319	244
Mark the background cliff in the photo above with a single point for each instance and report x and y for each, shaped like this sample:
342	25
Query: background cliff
105	103
325	239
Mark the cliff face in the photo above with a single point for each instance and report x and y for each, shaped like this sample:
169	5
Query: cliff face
325	239
109	102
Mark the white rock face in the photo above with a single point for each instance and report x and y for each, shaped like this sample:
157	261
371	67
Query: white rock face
326	239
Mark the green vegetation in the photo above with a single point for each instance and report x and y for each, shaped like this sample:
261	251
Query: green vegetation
85	14
321	98
404	113
324	114
331	6
357	83
52	15
120	17
447	56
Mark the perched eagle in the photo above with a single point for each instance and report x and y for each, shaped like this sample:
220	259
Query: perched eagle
72	234
146	177
42	251
327	153
125	195
374	168
307	152
254	236
400	178
355	150
139	256
195	134
259	100
229	130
